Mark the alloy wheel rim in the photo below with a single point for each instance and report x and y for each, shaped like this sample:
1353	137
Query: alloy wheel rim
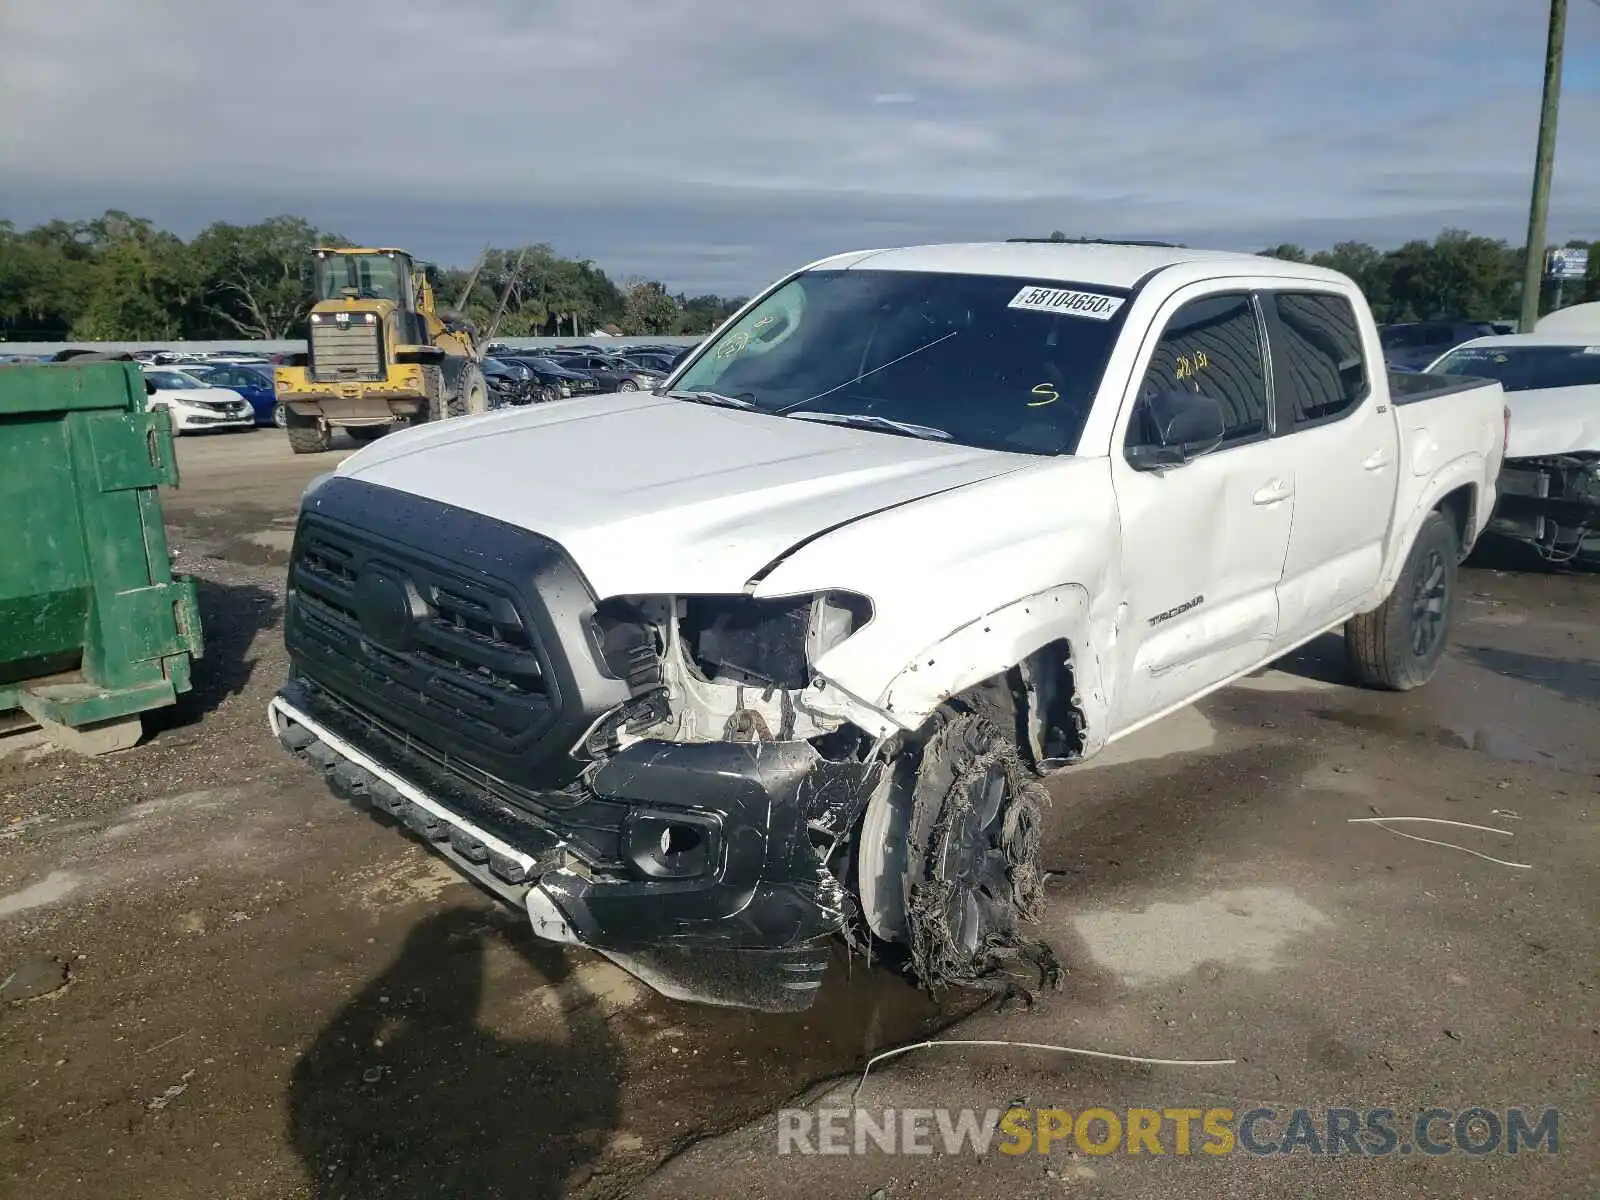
1428	605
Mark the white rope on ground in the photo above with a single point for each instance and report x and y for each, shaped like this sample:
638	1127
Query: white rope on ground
1383	822
1431	821
1105	1054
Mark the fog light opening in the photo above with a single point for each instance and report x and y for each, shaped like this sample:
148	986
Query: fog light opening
679	839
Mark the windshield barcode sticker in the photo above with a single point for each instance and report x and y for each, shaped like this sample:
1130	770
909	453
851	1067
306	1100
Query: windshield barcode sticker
1076	304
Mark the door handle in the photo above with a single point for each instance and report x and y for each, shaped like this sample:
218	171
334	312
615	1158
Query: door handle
1376	461
1274	492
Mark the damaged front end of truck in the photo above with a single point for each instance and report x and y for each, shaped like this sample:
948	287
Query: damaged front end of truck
660	778
1551	503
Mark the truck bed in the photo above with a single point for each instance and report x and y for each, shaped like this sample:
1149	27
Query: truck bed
1412	387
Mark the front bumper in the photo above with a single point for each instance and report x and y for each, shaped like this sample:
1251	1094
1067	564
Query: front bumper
517	394
1551	504
706	883
368	403
186	420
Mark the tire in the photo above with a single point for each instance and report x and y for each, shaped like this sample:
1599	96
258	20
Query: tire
627	385
307	435
474	397
972	878
471	396
549	394
367	433
433	388
280	416
1397	646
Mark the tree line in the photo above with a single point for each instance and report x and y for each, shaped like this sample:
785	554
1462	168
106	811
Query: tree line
120	278
1457	275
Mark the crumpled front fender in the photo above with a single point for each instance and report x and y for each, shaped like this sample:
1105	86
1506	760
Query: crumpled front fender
990	645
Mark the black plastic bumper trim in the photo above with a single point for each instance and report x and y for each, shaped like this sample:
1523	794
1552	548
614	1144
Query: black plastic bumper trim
764	886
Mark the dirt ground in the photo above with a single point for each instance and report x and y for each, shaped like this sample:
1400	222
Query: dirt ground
218	980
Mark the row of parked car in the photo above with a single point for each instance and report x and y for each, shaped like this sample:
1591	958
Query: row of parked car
234	390
1412	345
539	376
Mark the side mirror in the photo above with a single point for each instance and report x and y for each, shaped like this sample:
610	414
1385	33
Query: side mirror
1177	427
149	387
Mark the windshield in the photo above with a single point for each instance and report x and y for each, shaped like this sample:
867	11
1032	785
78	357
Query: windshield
172	381
369	276
1524	368
996	362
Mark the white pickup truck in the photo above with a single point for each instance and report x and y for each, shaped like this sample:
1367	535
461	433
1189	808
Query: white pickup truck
704	677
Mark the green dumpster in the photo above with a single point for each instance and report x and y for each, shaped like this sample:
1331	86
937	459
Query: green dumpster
94	629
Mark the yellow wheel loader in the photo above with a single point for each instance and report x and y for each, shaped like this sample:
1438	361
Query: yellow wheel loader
377	353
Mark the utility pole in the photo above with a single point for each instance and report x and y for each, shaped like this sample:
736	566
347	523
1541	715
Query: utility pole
505	296
472	280
1543	163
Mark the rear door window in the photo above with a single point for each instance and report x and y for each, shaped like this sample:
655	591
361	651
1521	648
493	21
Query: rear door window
1319	372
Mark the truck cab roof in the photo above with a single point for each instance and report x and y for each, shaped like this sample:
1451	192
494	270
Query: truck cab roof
1103	264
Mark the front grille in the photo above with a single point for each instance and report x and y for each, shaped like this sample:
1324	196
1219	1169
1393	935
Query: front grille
467	635
463	654
350	351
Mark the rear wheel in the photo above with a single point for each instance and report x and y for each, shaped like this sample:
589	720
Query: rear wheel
1397	646
280	416
307	435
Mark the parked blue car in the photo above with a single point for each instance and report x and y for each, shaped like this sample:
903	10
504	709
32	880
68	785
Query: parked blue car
253	383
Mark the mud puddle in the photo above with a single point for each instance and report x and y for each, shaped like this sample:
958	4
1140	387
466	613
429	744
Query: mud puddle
247	536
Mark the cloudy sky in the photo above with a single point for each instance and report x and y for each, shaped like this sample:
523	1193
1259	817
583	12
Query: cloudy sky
715	145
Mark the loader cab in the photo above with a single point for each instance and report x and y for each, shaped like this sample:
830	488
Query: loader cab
343	274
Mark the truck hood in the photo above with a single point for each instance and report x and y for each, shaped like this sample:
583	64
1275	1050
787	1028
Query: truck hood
1554	421
652	495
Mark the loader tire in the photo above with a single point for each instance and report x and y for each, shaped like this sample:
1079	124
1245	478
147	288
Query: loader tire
1397	646
471	397
307	435
474	394
433	388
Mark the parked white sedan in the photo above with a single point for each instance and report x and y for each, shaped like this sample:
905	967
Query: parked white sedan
195	405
